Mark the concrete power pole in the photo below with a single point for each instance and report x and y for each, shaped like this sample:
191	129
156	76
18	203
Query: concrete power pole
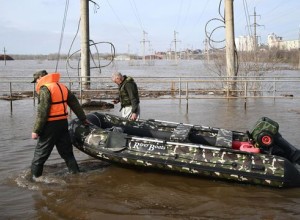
175	45
255	37
4	56
230	56
206	49
85	48
144	45
299	49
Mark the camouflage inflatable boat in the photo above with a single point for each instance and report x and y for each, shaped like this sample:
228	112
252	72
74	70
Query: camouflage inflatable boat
259	156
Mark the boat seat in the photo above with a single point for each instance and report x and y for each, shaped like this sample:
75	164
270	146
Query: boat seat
224	138
116	141
181	133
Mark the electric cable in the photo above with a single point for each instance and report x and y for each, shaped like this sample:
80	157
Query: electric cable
62	33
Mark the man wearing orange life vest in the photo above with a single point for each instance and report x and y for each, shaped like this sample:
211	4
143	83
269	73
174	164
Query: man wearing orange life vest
51	125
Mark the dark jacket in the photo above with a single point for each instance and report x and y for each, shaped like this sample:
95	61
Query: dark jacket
129	95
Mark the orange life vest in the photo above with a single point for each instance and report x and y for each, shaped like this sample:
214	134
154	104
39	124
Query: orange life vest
59	96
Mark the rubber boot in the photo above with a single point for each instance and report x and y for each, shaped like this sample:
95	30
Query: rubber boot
36	171
72	166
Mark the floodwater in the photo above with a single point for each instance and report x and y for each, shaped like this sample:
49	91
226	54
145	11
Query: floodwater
103	191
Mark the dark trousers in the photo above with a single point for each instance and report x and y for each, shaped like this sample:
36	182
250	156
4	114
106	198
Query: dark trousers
54	133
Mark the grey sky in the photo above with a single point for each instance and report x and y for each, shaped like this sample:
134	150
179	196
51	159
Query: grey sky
34	26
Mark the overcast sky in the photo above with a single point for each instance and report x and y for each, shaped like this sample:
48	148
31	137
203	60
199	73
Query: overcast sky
34	26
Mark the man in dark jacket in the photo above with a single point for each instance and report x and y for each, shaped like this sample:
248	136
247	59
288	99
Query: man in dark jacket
128	96
51	125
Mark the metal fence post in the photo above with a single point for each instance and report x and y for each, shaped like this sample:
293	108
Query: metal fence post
187	91
179	90
10	91
227	89
274	88
33	92
245	93
80	92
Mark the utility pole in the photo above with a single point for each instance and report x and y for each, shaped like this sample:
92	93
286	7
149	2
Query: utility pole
128	49
144	45
254	25
85	43
4	56
299	48
206	49
175	45
150	51
170	53
128	53
230	56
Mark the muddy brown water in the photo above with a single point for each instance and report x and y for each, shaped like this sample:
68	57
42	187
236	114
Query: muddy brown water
103	191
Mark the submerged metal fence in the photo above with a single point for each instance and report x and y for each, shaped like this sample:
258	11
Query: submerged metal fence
181	88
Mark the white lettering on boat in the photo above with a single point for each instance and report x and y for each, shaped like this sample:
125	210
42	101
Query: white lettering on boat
147	146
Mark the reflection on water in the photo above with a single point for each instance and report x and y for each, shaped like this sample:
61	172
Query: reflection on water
110	192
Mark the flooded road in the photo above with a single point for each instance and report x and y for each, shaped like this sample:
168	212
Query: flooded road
103	191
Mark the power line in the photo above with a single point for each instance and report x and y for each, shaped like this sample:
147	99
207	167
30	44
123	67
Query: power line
247	16
62	33
179	14
136	13
120	21
254	25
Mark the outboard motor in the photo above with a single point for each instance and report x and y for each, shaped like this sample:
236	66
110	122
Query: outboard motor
266	136
289	151
263	133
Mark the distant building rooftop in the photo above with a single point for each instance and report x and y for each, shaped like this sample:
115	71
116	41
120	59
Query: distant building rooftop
5	57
